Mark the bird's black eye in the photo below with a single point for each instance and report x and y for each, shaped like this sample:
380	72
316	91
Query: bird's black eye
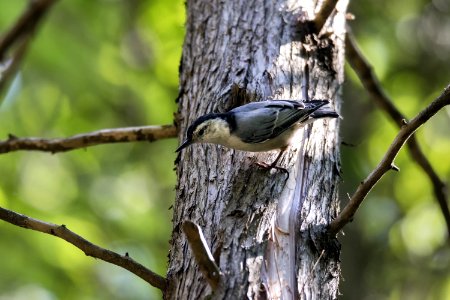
201	132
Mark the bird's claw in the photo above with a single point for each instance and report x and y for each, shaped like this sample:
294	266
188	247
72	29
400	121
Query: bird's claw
266	166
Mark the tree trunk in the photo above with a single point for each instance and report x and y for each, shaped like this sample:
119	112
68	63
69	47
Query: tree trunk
265	228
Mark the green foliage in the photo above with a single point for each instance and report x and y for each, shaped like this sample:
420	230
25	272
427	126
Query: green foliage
92	65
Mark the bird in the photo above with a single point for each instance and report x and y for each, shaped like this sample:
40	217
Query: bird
257	126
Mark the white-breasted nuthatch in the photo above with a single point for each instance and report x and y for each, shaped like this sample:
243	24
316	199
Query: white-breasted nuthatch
257	126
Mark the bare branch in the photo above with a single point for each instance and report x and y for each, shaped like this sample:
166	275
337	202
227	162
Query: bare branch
202	253
26	24
387	162
21	33
105	136
13	64
84	245
325	11
372	85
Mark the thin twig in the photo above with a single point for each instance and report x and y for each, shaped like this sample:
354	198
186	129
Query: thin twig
84	245
372	85
105	136
311	273
322	16
387	162
19	35
27	23
14	63
202	254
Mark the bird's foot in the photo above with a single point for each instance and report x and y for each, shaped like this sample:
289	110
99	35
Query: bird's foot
266	166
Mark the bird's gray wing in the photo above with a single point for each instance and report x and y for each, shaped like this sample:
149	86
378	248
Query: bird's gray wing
268	103
270	118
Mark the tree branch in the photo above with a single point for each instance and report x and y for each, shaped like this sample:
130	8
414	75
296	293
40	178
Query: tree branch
369	80
105	136
84	245
26	24
322	16
13	64
386	163
202	253
20	34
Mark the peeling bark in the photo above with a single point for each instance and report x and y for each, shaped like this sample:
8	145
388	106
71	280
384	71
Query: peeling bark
266	229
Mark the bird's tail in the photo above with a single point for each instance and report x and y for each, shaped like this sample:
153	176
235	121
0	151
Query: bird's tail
322	111
324	114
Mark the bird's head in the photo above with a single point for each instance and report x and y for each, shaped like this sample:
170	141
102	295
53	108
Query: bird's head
211	128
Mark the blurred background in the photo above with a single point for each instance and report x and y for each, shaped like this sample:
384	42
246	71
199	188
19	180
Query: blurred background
396	246
114	63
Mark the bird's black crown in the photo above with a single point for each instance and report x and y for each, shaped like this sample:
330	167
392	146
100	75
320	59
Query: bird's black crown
200	120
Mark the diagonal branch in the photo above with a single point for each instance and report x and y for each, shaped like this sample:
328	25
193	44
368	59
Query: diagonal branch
202	254
26	24
19	35
84	245
12	65
387	163
372	85
324	13
105	136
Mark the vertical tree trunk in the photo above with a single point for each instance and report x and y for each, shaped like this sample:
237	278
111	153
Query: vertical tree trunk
266	229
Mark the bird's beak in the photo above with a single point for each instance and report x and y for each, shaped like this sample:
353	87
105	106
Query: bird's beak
184	145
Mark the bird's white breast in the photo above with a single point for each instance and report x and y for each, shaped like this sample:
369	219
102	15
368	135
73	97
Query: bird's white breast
281	141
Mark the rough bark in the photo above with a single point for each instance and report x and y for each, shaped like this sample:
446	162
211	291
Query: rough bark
266	229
